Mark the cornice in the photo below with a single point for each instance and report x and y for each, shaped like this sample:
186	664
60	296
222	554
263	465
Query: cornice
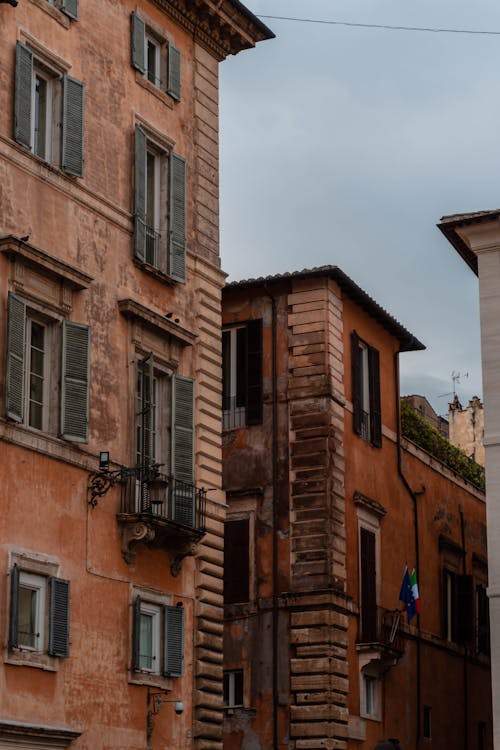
223	27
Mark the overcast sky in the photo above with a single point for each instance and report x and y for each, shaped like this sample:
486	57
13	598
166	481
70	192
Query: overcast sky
345	146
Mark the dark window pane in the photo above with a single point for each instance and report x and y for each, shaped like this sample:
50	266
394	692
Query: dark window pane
236	561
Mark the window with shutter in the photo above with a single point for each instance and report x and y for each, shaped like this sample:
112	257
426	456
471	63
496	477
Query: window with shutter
174	641
49	105
157	61
236	561
160	213
183	490
75	382
368	586
157	639
242	375
367	418
458	607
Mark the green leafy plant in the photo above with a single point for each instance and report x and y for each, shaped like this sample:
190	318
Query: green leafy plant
420	432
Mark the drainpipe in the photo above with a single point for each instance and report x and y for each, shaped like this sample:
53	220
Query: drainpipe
413	495
466	665
275	610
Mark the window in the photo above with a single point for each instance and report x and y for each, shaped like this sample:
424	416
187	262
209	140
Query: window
33	394
457	607
368	585
160	207
158	639
34	600
242	375
370	690
482	620
427	723
48	112
366	391
369	684
233	688
68	7
157	60
236	561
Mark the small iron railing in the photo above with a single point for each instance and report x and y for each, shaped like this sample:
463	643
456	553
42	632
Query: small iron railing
233	412
381	626
152	245
365	425
145	490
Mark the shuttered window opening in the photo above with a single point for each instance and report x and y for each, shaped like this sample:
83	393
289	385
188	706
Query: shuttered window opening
34	601
183	492
160	207
367	417
242	375
155	58
49	111
68	7
368	584
236	561
157	638
32	396
458	607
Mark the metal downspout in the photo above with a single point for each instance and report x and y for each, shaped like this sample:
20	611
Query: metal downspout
413	496
466	657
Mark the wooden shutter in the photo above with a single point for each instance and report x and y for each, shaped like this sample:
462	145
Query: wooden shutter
70	7
236	561
136	635
254	372
356	384
174	72
72	140
140	193
465	609
16	352
24	86
14	607
375	412
368	586
75	382
483	621
59	617
177	255
137	43
173	663
183	493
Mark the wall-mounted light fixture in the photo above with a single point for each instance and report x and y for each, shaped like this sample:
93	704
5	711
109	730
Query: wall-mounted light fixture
100	482
155	700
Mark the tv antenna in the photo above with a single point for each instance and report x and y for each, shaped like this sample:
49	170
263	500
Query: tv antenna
455	377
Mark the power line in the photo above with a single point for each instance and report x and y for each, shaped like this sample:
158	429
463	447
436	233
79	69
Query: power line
383	26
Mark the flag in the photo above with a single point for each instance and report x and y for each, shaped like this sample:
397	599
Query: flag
407	594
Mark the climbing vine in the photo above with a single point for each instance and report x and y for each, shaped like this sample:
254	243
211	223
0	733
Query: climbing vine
416	429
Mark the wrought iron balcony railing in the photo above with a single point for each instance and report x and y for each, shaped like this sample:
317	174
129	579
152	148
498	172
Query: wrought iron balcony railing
380	627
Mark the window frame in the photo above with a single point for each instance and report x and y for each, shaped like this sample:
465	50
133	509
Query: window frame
231	703
250	362
38	584
366	392
154	612
369	675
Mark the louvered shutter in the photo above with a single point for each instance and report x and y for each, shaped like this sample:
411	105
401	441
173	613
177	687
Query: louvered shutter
254	372
72	137
173	664
174	72
356	384
375	411
24	86
465	608
59	617
14	607
137	43
183	491
75	382
136	635
140	193
177	255
16	352
236	561
368	586
70	7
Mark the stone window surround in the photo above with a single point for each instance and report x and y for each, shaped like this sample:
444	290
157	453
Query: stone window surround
159	599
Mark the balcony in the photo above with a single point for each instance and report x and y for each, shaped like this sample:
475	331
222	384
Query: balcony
380	633
160	511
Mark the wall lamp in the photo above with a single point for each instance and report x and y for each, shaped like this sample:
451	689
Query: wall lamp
155	700
100	482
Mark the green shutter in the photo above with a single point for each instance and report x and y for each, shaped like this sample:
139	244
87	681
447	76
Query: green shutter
22	104
177	261
137	42
70	7
174	72
75	382
16	348
14	607
375	405
356	384
140	193
59	617
174	642
72	141
136	634
183	492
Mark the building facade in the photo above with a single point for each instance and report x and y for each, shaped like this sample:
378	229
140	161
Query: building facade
327	505
476	237
111	540
467	427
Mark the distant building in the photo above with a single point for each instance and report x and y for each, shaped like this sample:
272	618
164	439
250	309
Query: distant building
424	408
467	427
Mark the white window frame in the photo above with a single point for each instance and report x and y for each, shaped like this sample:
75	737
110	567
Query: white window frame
231	675
53	114
160	62
153	611
370	709
38	584
47	363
